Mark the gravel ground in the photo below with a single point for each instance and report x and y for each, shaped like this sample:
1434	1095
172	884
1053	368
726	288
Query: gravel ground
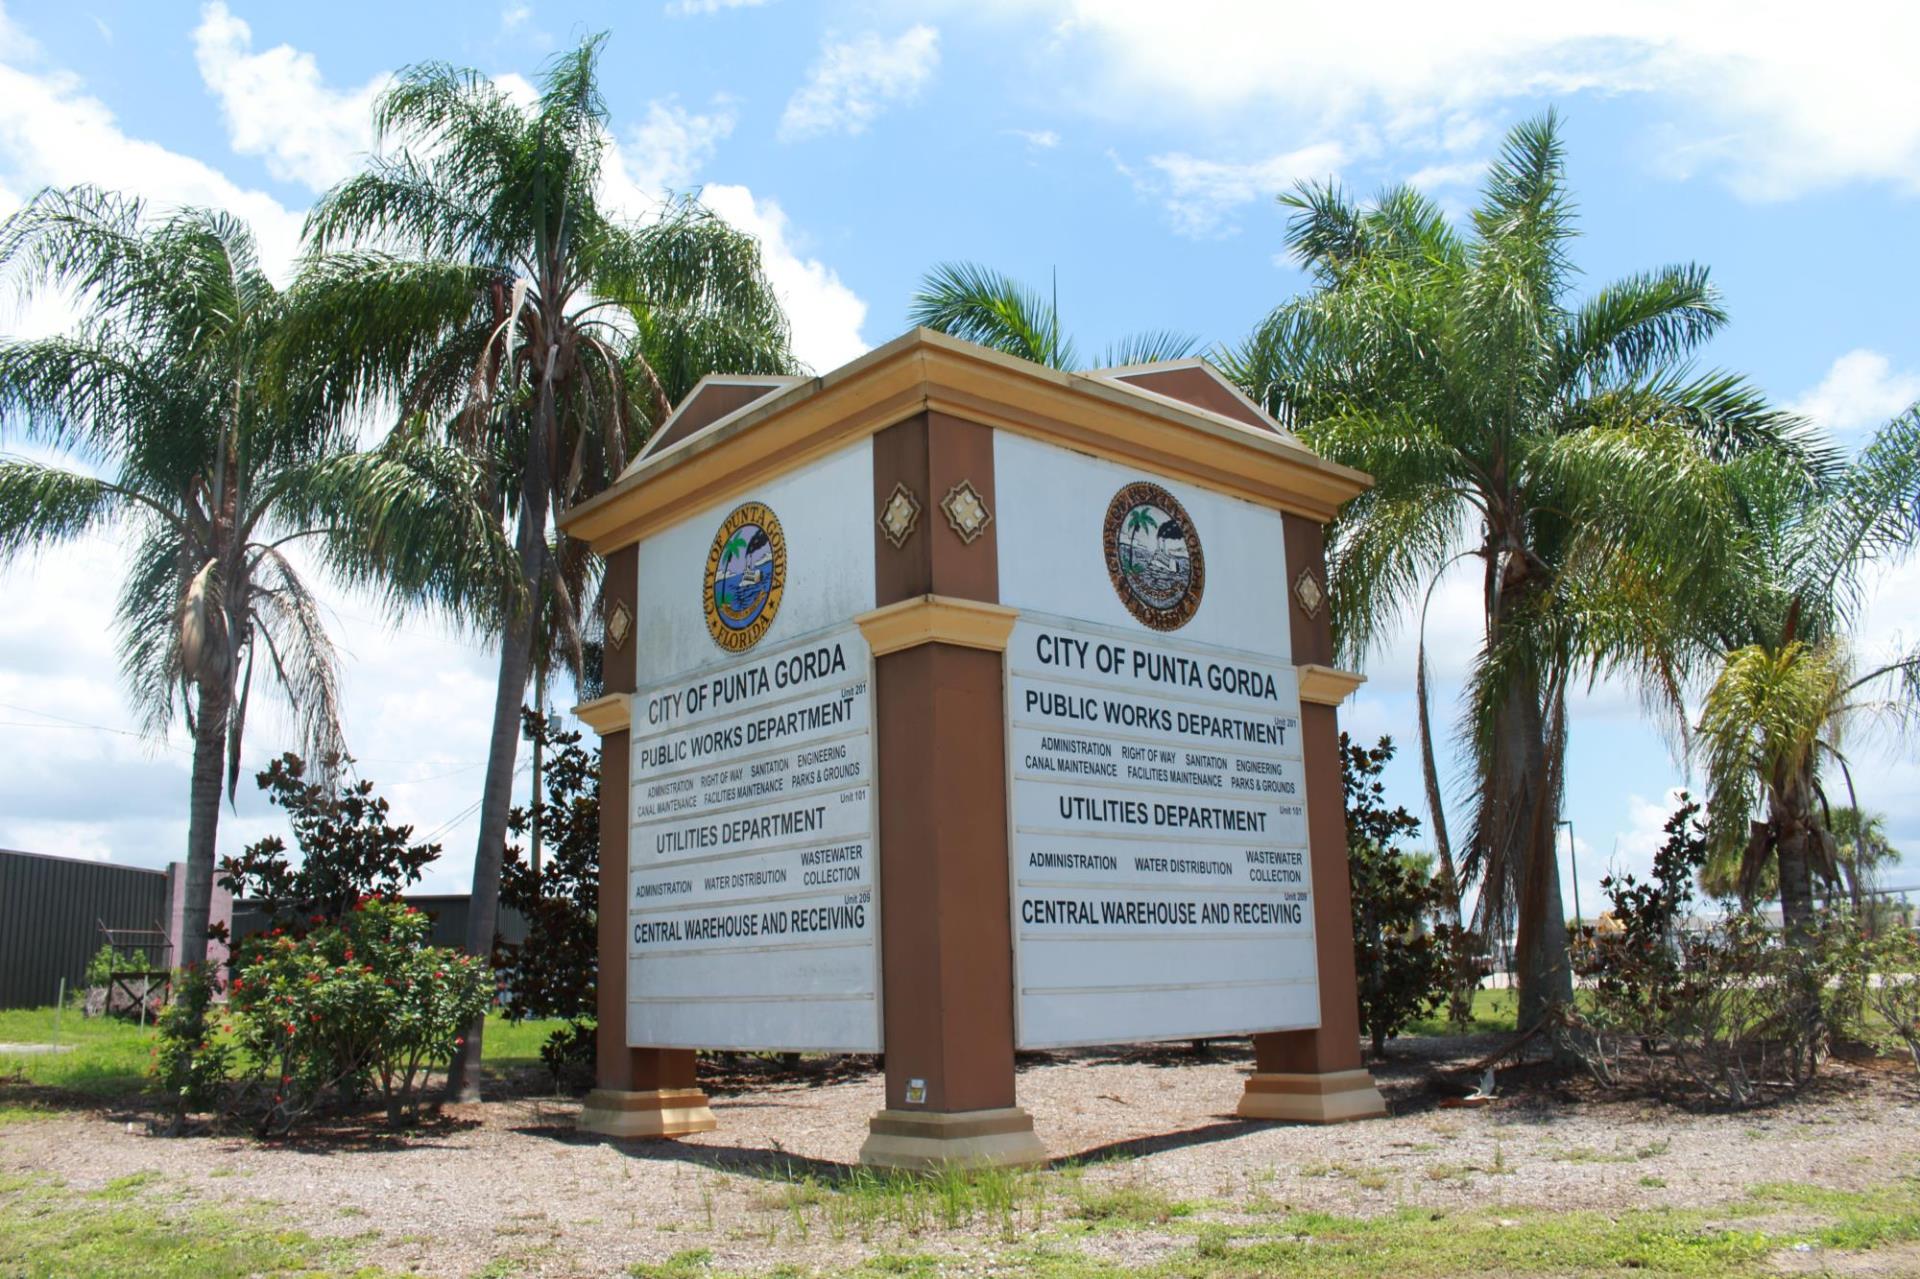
510	1180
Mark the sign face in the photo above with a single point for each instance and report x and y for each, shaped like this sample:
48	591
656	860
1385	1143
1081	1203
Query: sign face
1161	883
751	868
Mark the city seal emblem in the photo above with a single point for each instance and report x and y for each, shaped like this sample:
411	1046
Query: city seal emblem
746	573
1153	556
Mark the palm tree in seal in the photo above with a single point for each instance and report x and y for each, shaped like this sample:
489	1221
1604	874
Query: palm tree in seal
489	288
211	443
1566	445
1139	520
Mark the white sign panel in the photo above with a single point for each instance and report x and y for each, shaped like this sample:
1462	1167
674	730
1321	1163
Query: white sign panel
1049	511
751	905
1161	883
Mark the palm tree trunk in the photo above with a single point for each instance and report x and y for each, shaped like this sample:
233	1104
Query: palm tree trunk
1525	810
1795	819
496	796
203	818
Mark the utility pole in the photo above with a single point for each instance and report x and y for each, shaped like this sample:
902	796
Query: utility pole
539	740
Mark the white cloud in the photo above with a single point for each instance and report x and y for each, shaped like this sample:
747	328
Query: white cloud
513	17
1860	391
825	313
1201	195
1435	176
852	81
683	8
1038	139
15	44
671	145
52	133
277	106
1774	97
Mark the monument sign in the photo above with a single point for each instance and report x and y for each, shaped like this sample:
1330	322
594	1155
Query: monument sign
959	706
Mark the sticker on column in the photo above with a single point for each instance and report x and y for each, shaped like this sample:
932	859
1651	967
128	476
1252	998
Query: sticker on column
916	1092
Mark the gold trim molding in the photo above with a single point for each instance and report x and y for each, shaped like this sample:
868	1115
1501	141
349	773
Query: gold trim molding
937	619
1325	686
922	371
607	715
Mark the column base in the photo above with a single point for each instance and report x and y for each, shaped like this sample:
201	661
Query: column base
1331	1098
657	1112
921	1140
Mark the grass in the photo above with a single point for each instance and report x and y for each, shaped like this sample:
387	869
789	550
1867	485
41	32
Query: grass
1133	1204
126	1230
681	1265
1494	1012
1737	1239
111	1057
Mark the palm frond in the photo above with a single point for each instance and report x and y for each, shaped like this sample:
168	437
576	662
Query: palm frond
1152	347
1638	325
286	618
978	304
43	505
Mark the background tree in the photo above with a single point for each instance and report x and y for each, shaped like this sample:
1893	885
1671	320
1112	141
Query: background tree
1861	847
1787	678
1560	443
489	289
200	435
1402	949
349	849
981	305
554	972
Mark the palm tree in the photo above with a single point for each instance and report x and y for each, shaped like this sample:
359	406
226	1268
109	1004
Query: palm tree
1139	521
180	398
487	287
1862	848
1561	443
1787	679
981	305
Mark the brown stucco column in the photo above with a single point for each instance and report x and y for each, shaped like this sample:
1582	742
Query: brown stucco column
1316	1076
638	1092
939	642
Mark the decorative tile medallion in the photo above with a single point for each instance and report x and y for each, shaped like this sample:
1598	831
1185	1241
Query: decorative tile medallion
746	574
965	511
1154	557
619	626
899	515
1309	592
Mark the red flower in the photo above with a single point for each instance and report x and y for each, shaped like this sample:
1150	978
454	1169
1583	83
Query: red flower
291	1028
459	1041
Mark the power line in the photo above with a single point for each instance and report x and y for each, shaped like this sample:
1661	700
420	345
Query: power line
65	722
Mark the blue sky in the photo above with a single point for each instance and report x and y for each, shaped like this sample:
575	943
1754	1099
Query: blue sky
1130	149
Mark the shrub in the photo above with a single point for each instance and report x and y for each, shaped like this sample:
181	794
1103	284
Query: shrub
1732	1013
1632	961
107	961
1894	992
350	1006
553	972
348	849
1403	954
191	1062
